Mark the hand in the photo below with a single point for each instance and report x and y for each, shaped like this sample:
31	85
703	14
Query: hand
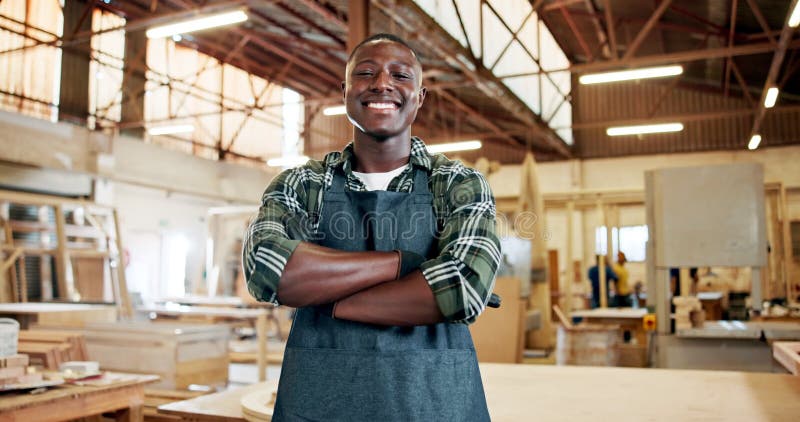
409	261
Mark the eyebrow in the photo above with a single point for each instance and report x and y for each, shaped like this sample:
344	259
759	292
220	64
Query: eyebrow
370	61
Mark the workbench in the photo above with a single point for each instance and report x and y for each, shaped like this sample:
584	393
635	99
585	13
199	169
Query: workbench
628	319
123	399
60	314
213	314
570	393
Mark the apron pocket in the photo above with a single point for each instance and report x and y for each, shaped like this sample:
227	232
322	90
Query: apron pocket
367	385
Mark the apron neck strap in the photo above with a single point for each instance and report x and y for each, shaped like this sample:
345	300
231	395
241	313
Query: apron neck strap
338	180
420	181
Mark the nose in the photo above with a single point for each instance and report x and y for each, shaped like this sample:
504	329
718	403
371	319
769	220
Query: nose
382	81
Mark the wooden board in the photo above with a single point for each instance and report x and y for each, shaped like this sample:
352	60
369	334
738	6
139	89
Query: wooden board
548	393
259	406
225	406
499	333
563	393
788	354
58	314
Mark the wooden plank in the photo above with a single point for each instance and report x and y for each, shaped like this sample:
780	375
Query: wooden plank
64	292
788	354
499	334
89	277
787	246
570	273
23	280
516	392
123	297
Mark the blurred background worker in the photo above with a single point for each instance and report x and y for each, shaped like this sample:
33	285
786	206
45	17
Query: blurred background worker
622	295
594	278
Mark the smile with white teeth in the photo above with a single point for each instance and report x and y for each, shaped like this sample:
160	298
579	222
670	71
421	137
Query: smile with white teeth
382	106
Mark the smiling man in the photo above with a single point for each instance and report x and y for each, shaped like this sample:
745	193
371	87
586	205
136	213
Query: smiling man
387	252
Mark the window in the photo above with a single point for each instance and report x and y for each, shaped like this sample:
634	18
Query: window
515	58
29	79
631	240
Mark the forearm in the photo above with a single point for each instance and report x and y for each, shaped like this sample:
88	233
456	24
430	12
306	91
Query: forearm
405	302
315	274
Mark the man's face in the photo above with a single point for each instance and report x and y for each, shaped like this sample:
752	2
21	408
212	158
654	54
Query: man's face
383	90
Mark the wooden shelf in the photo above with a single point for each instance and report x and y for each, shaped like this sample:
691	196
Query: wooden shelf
83	254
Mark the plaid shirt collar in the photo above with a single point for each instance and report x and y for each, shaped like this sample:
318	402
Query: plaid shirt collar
419	156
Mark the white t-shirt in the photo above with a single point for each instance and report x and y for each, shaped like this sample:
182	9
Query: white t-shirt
379	181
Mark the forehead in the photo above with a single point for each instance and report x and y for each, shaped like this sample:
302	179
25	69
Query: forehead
384	51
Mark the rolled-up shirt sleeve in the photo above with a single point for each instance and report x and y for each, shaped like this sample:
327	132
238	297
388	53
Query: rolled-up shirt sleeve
462	275
273	235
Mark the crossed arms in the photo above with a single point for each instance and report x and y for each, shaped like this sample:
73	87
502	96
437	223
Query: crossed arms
454	286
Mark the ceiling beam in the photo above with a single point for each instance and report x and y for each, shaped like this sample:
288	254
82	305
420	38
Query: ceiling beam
654	18
325	13
498	131
312	24
577	33
761	21
684	118
731	32
612	31
774	68
357	22
677	57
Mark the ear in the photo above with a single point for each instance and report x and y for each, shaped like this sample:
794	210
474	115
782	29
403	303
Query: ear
422	92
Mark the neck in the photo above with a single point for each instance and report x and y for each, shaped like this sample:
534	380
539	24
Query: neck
381	155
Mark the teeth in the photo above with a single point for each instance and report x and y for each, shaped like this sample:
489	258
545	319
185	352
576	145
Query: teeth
381	106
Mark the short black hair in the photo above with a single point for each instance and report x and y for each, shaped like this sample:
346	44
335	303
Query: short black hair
383	37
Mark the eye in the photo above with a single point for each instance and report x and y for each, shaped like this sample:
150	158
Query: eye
364	72
403	76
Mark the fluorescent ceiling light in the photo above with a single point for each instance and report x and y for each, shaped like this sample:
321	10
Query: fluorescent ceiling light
197	24
754	141
170	130
794	20
644	129
772	97
293	161
335	110
454	146
627	75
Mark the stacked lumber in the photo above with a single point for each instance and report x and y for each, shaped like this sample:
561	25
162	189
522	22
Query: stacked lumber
689	312
14	370
49	349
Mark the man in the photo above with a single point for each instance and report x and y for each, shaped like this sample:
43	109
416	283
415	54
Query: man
594	278
622	292
387	252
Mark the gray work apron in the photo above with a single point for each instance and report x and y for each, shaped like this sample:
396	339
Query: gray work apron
337	370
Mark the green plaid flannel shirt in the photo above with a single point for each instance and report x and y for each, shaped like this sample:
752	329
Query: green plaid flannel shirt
461	276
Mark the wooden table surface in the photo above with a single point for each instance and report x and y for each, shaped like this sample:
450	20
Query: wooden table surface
634	313
125	396
573	393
